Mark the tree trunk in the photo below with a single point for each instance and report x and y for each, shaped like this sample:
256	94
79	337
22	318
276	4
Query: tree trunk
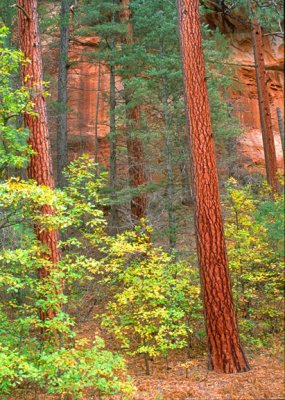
62	153
113	149
225	351
137	176
172	228
96	152
40	167
185	175
281	130
264	106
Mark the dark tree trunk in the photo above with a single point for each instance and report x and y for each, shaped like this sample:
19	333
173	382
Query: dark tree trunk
137	176
184	150
113	150
40	167
62	152
96	153
225	351
264	106
281	130
172	228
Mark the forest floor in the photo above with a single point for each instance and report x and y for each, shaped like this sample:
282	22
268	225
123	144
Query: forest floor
265	380
183	379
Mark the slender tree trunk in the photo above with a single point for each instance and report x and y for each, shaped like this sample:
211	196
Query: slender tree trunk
172	228
113	152
81	115
97	113
281	130
113	148
185	181
264	106
114	220
225	351
184	149
40	167
137	175
62	153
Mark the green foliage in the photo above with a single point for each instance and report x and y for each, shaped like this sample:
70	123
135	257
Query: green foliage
7	12
14	101
64	370
60	364
256	266
220	79
270	13
270	214
151	75
155	298
152	303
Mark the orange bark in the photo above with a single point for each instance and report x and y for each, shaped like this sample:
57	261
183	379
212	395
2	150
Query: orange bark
40	167
264	106
137	174
225	351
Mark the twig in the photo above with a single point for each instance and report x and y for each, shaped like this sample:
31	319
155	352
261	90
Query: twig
23	10
279	34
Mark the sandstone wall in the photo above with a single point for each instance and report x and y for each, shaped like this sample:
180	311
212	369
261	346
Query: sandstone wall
245	98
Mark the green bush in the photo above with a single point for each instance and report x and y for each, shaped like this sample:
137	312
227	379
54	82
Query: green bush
255	259
46	354
154	302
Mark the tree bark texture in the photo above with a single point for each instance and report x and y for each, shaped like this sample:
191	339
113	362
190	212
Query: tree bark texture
225	351
62	152
40	167
264	106
137	175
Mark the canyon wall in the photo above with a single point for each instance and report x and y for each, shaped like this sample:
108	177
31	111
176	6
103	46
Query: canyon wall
245	99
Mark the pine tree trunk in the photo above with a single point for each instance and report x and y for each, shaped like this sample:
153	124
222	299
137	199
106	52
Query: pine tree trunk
137	175
225	351
62	153
281	130
264	106
40	167
184	169
96	152
113	150
172	228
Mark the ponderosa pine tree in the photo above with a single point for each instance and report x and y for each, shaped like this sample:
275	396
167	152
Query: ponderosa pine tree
137	176
156	48
264	104
62	152
40	166
225	351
